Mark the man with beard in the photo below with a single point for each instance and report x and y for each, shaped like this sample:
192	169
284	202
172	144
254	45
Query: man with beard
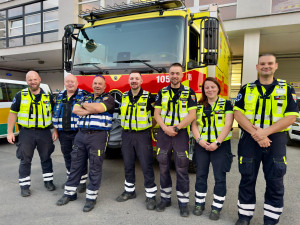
65	122
136	120
175	109
33	109
96	113
264	109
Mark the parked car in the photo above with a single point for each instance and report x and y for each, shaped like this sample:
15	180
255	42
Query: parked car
294	133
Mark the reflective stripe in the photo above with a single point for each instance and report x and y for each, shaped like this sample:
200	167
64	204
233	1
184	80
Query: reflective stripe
219	198
129	189
266	206
129	184
24	179
218	205
84	176
187	194
151	189
271	215
70	188
93	197
166	189
69	192
165	195
200	200
47	174
24	183
200	194
246	213
150	195
183	200
48	178
91	192
246	206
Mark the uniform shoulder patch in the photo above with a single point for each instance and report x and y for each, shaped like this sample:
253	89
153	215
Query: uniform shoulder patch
238	97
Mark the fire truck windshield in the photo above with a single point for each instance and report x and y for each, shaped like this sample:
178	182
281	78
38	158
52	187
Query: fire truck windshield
159	40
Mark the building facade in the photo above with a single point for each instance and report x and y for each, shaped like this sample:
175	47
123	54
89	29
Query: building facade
31	33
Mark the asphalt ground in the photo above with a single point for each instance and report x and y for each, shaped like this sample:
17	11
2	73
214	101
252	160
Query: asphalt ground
40	207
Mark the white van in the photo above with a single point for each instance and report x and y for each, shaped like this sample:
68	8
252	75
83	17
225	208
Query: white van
8	89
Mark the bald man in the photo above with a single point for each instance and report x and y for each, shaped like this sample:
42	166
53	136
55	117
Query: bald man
96	113
65	122
33	109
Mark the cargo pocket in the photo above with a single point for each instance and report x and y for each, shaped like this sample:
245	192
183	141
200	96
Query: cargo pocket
74	153
279	167
97	159
246	166
19	152
228	163
183	160
162	156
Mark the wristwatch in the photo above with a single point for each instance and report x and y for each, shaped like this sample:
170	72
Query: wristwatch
198	140
176	129
218	143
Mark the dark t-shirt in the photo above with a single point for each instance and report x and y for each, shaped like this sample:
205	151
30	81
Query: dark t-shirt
15	106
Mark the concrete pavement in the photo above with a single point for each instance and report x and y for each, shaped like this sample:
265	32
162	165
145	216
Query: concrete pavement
40	207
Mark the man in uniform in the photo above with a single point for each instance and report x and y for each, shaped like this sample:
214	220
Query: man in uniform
65	122
33	109
175	109
96	113
264	109
136	120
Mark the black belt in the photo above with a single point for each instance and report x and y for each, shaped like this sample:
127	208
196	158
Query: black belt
134	131
90	131
35	128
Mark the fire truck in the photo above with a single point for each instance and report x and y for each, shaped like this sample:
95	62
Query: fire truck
147	36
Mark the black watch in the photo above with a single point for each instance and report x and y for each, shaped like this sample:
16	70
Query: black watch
218	143
176	129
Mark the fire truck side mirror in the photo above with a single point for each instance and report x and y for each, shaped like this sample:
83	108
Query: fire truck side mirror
211	41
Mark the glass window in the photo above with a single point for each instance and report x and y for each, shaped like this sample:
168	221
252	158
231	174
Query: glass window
50	4
15	12
15	42
35	39
33	24
51	37
16	28
2	29
13	89
2	14
89	5
3	93
33	7
2	43
194	45
51	20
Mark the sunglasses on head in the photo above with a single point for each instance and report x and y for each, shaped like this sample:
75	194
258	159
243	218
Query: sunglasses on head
99	75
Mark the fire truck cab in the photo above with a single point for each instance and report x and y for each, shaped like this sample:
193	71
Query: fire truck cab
147	36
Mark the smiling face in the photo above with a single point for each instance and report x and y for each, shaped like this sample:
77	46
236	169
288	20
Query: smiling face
71	83
211	89
33	80
176	75
135	81
98	86
266	65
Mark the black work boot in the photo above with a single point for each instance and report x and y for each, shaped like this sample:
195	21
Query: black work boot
162	206
184	211
150	203
49	185
65	200
214	215
242	222
25	192
198	210
89	205
125	196
81	188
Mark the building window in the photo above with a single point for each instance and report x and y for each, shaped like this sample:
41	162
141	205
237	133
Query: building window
88	4
33	24
16	27
29	24
51	20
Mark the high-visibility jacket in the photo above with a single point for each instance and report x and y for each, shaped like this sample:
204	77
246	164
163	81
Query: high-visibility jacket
34	114
263	110
134	116
174	111
59	111
100	121
210	126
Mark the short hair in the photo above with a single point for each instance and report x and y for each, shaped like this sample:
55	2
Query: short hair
135	71
176	65
268	54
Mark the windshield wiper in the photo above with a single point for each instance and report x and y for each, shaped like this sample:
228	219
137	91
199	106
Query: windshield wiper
160	70
86	72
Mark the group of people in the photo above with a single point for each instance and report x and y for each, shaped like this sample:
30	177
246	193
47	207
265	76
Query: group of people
263	109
